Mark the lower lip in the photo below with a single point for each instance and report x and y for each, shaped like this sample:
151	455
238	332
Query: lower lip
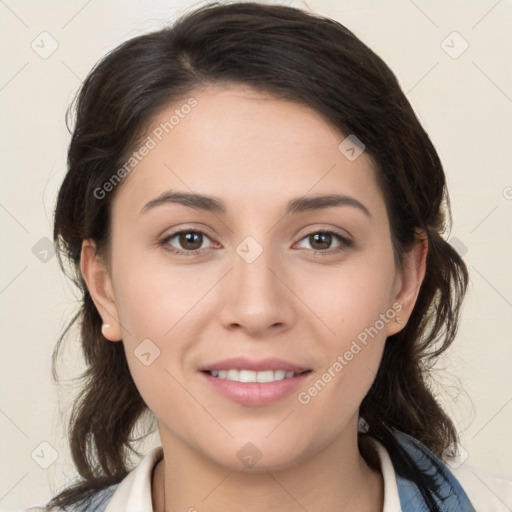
256	393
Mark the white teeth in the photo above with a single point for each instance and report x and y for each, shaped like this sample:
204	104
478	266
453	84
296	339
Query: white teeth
280	374
252	376
231	374
243	375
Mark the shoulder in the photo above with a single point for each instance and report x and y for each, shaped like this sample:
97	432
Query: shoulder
132	492
459	481
97	503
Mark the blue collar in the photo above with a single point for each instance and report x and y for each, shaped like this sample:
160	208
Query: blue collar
452	497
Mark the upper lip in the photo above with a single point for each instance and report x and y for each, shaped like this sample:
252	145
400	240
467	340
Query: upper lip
244	363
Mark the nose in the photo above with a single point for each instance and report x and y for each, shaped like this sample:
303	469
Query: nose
256	296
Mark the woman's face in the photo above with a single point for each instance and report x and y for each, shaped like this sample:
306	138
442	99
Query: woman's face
264	276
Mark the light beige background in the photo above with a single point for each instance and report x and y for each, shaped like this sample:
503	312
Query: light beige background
463	98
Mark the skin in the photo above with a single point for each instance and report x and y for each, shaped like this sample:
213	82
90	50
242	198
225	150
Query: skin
255	153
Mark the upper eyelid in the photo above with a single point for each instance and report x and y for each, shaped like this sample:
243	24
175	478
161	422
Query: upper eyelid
328	230
333	231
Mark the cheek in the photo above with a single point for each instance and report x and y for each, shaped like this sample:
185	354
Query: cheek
163	311
351	365
152	299
351	298
166	309
355	306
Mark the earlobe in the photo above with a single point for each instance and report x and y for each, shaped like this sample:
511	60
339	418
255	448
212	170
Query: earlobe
410	279
97	278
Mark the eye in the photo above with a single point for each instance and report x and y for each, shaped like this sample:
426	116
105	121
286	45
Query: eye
190	242
320	241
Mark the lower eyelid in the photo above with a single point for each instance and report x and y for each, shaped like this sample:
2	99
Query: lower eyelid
168	238
344	242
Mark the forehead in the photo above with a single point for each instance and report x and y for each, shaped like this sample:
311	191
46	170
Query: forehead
247	147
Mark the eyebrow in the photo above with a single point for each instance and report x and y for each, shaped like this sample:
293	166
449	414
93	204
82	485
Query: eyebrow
216	205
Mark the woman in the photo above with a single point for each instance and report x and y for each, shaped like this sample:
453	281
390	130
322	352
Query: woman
254	215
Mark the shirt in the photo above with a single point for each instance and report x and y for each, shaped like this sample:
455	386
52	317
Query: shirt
469	490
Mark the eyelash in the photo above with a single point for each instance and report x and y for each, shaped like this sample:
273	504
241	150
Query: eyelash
345	243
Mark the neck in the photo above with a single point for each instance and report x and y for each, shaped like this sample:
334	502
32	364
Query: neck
337	479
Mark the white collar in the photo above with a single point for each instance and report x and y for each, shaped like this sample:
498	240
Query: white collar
133	494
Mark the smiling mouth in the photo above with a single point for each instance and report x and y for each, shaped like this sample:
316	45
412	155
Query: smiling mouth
246	376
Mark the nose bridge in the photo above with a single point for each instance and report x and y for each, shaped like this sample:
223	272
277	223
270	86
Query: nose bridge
253	280
256	298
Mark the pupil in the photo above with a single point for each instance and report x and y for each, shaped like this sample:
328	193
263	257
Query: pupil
190	238
323	238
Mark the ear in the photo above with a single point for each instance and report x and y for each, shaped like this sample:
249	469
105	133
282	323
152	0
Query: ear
408	282
99	283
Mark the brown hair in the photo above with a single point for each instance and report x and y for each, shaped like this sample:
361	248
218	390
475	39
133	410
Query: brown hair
293	55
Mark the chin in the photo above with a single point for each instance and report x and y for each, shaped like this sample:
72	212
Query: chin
259	455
